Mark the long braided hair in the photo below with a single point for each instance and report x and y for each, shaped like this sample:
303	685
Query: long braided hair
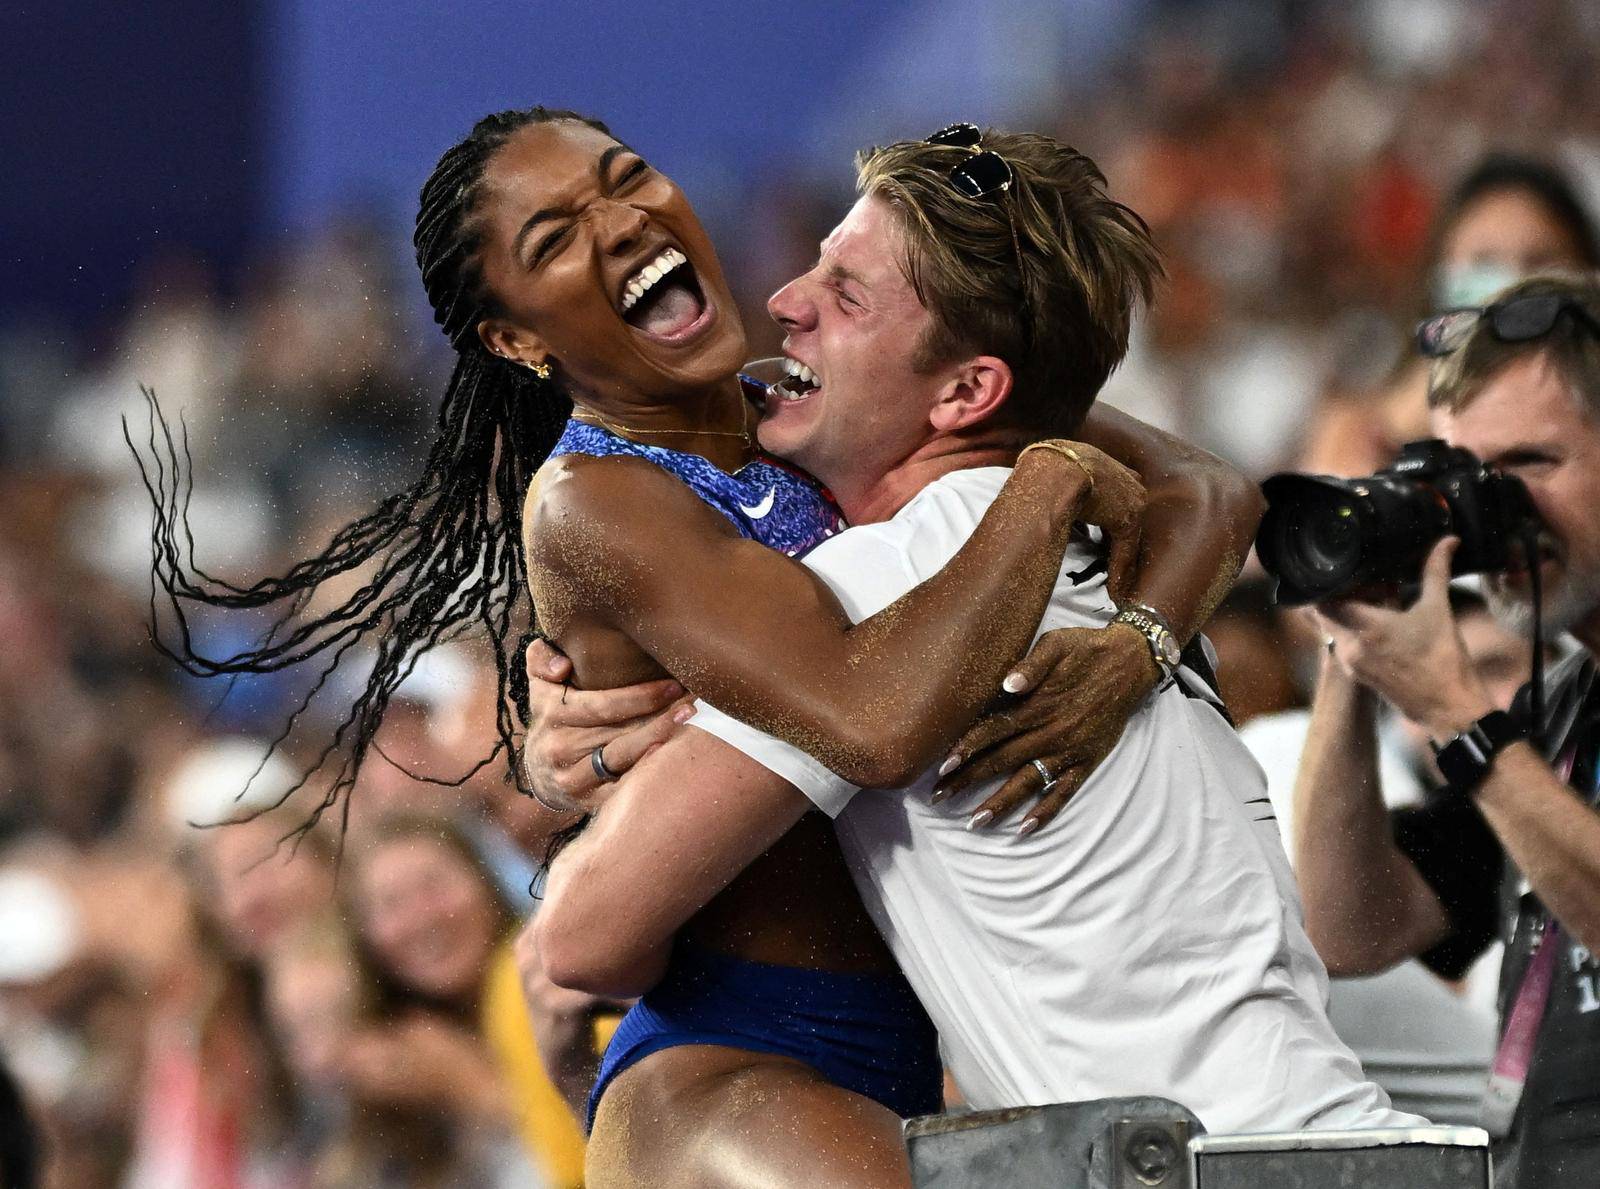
446	551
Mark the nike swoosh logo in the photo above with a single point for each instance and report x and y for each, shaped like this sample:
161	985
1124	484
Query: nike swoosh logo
761	509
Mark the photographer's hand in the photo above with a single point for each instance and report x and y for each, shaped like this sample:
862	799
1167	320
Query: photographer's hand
1413	657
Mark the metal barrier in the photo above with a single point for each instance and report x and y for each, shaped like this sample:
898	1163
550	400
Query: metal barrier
1387	1158
1109	1143
1153	1143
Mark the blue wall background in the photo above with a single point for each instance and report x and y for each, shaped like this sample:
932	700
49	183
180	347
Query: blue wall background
135	131
129	130
367	96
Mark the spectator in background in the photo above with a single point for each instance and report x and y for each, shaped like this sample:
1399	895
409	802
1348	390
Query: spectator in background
1508	218
69	1031
1521	794
373	1113
217	1104
440	936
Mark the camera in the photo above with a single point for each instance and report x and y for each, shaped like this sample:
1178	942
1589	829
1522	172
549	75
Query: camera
1324	537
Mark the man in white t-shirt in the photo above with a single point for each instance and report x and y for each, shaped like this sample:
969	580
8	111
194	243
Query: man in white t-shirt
1147	940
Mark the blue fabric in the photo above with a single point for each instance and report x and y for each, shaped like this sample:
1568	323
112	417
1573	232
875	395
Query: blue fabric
765	500
863	1032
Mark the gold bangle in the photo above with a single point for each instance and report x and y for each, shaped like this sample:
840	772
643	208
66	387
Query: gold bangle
1059	447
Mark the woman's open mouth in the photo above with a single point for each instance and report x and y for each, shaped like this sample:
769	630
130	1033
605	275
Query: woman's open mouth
663	300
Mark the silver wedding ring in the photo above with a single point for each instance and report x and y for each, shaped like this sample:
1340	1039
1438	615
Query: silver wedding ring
597	761
1044	773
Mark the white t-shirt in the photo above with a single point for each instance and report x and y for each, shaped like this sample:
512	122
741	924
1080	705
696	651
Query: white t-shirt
1427	1046
1146	941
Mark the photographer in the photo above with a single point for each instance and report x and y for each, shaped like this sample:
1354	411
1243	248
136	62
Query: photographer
1519	386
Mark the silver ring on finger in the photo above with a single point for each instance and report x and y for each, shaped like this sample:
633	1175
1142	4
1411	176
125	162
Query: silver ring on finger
597	761
1044	773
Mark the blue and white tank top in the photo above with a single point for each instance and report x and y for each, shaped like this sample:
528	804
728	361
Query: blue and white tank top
765	500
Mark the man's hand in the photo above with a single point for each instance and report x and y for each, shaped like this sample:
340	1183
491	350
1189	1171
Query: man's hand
565	725
1415	658
1085	683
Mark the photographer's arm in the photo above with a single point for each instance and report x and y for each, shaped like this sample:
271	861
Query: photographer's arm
1416	659
1366	905
1551	835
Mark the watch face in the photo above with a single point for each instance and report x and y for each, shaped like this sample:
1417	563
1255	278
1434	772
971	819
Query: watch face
1170	652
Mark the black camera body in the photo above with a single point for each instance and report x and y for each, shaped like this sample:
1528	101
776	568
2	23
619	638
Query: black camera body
1323	537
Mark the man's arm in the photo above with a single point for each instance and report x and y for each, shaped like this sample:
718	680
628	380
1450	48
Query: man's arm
1416	659
1552	837
690	817
1366	905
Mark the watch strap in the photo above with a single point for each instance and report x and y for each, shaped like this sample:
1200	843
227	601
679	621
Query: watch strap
1149	624
1465	760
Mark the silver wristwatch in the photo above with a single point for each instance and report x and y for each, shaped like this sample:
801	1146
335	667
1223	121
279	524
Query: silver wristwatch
1153	626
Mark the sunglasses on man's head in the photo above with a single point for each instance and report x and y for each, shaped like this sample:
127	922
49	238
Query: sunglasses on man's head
1515	320
980	175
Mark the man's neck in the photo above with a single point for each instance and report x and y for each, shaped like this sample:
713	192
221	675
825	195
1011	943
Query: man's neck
878	499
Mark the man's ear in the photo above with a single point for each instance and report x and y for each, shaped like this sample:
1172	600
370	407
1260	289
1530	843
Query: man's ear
512	342
974	393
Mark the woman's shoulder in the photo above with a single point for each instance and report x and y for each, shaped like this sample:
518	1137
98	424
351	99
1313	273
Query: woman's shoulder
585	508
592	484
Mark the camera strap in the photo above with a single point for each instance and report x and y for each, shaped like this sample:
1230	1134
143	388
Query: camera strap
1530	555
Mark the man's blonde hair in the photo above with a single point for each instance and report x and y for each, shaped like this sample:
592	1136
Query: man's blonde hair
1572	347
1045	276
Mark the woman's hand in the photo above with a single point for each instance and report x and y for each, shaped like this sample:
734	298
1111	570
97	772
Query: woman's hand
1085	684
1113	498
565	725
1117	506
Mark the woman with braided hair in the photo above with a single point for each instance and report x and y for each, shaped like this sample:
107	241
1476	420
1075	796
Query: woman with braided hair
596	385
497	243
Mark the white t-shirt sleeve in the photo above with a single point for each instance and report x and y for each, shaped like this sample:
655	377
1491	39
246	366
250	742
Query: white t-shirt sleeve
824	788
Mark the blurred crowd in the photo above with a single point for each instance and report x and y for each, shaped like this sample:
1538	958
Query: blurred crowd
253	1005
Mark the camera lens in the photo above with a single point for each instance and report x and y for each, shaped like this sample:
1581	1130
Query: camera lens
1327	540
1317	543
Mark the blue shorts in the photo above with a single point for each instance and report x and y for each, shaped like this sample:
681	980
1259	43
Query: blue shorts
863	1032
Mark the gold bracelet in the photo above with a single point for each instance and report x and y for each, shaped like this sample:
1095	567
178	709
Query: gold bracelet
1060	447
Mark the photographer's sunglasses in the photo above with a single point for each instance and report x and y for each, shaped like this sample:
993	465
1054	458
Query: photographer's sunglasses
1515	320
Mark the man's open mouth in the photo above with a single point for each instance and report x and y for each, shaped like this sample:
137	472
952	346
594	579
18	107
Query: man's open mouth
799	381
663	299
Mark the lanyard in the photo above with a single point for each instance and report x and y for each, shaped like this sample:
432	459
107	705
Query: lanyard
1509	1074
